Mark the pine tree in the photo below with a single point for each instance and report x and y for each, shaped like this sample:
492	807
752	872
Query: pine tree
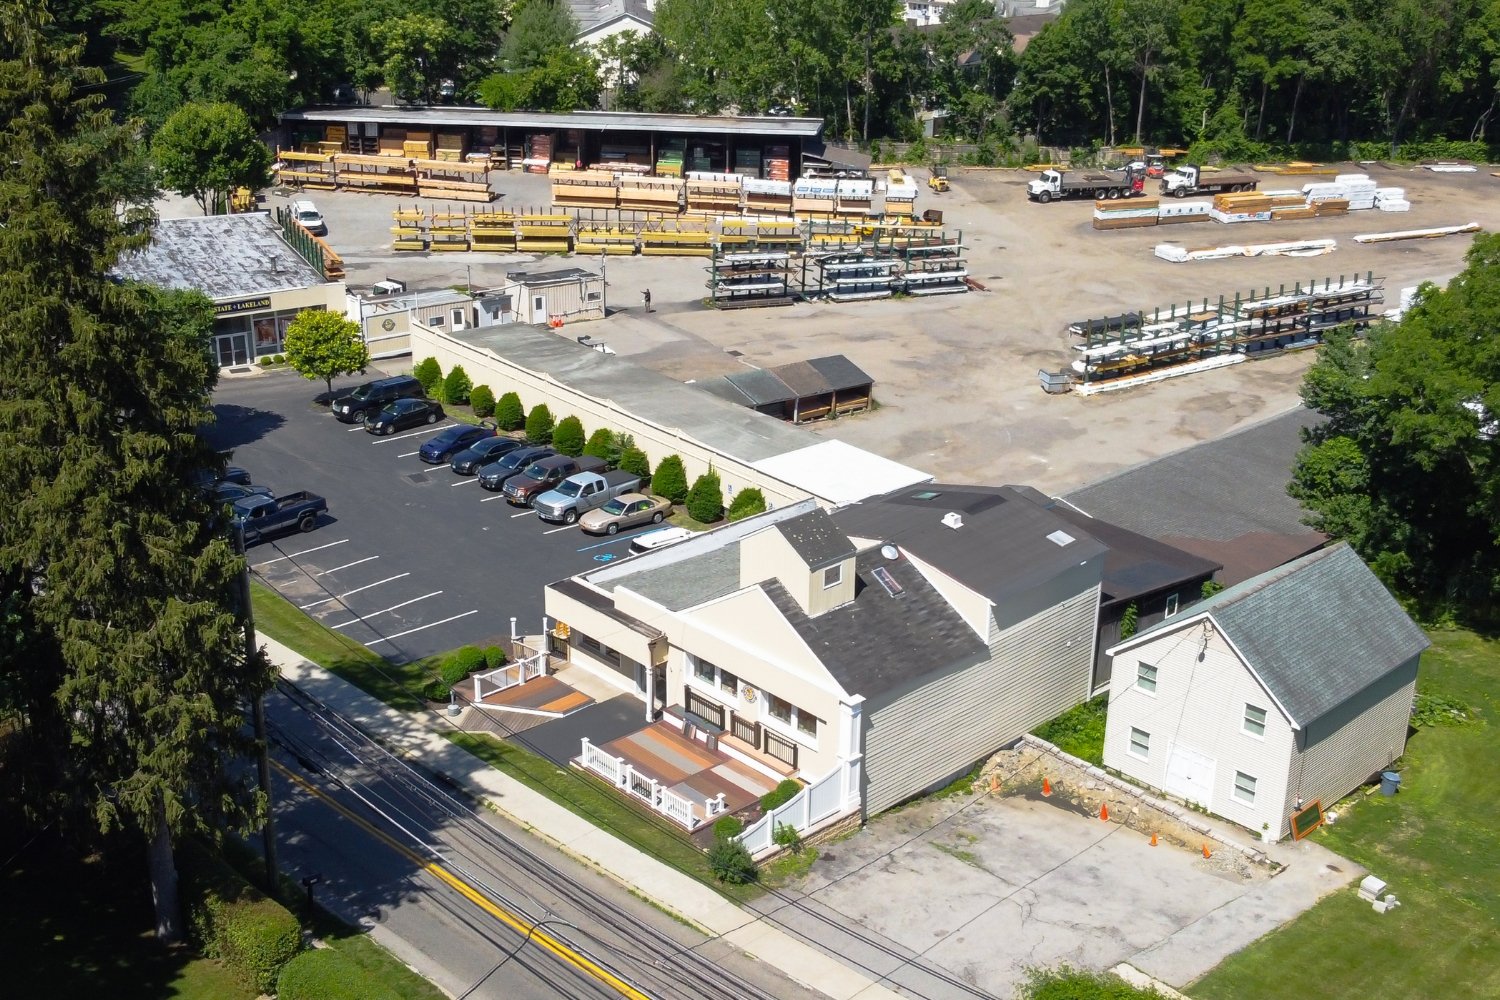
509	414
601	444
635	462
131	690
539	424
670	479
705	501
568	436
747	502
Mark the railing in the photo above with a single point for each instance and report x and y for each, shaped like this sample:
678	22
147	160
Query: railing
627	779
821	800
509	676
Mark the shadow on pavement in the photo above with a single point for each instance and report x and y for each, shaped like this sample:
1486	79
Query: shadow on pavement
235	425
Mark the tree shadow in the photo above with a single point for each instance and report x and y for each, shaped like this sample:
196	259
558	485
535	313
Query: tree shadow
235	425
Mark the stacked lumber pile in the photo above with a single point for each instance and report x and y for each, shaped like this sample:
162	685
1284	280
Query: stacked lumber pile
311	170
669	158
747	162
391	141
538	157
761	234
1296	167
450	146
855	197
1289	205
814	195
408	230
1356	189
768	197
650	194
714	194
1392	200
901	196
1174	212
379	174
616	240
457	179
1250	206
585	189
544	233
777	163
1126	213
493	231
677	239
448	231
417	145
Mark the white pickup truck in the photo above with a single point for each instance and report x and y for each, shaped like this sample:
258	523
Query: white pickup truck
583	492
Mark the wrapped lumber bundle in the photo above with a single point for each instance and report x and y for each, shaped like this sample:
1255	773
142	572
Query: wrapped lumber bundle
1126	213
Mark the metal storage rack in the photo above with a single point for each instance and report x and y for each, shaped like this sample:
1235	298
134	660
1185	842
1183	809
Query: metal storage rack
737	279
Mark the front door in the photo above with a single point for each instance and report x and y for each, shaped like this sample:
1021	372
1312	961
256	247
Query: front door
233	349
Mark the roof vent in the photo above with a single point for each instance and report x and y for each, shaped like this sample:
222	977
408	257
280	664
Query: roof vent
953	519
890	552
1061	538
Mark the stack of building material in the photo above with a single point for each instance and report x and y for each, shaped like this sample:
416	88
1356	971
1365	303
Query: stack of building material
1356	189
417	145
677	239
855	197
450	146
1173	212
391	141
777	163
669	158
901	196
1330	206
1418	234
1450	168
585	189
714	194
457	179
408	230
768	197
376	174
335	135
538	158
830	234
544	233
765	234
493	231
308	170
616	240
1299	248
1250	206
1126	213
1392	200
650	194
448	231
814	196
747	162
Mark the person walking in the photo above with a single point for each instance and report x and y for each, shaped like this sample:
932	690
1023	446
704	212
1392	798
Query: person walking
646	297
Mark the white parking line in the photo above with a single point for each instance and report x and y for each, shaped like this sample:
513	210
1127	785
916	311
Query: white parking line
409	454
497	496
304	552
566	527
464	482
393	607
350	593
356	427
432	429
419	628
346	565
523	513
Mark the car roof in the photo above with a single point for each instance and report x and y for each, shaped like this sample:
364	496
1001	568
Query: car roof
303	205
631	497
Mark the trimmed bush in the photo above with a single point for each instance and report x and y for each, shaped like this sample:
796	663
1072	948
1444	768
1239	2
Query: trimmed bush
567	436
429	373
747	502
539	424
482	399
780	795
705	501
328	974
731	862
231	920
437	690
728	827
456	386
670	480
461	663
601	444
509	414
494	657
635	462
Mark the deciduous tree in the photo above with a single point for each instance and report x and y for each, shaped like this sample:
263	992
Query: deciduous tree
205	151
324	345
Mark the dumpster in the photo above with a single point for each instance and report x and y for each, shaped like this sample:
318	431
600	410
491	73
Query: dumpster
1390	783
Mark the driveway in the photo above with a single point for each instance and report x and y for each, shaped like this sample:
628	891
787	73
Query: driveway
978	888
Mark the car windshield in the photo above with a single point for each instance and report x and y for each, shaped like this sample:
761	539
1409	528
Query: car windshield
614	507
363	392
513	460
568	489
448	437
538	472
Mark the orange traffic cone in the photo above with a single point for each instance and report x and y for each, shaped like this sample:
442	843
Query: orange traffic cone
1206	852
1046	786
1153	840
1104	812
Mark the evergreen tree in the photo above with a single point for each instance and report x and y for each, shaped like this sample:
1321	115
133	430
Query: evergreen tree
670	479
568	437
429	373
635	462
747	502
509	414
539	424
601	444
483	401
456	386
705	501
134	676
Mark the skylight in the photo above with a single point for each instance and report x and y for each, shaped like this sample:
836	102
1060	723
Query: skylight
887	581
926	495
1061	538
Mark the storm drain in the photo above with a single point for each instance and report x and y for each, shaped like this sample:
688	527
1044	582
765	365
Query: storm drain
417	478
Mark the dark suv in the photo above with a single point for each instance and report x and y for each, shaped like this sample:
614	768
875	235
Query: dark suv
372	397
493	475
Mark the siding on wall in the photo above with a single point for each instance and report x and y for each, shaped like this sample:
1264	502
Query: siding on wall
924	733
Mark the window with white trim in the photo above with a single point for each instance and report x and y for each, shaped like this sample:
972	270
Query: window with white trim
1171	605
1140	743
1255	720
833	576
728	683
1244	788
791	716
704	670
1145	677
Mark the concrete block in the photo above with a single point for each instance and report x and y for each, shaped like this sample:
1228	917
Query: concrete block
1371	888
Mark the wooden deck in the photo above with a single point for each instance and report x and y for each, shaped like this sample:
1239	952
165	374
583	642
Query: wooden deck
541	694
690	768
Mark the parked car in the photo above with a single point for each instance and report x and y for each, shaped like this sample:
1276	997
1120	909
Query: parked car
625	511
482	453
370	398
543	475
646	541
581	493
493	476
230	492
404	413
207	479
452	441
262	516
307	214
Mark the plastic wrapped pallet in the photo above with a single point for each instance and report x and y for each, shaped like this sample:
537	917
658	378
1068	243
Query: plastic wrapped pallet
1394	205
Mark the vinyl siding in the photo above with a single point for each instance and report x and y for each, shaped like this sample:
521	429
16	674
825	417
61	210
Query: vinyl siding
920	735
1199	705
1344	748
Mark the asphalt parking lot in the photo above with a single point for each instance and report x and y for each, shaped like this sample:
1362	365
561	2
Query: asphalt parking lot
411	559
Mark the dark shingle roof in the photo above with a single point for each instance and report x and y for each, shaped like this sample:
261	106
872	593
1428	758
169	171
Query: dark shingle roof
839	373
760	387
1223	500
1317	631
816	539
1001	549
878	642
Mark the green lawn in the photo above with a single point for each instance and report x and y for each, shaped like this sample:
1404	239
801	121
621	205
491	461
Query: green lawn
1078	731
1437	845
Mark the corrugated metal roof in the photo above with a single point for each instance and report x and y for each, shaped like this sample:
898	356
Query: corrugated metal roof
802	378
761	387
619	121
840	373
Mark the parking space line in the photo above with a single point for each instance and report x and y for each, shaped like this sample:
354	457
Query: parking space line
464	482
613	541
350	593
409	454
566	527
393	607
497	496
523	513
419	628
357	427
432	429
346	565
293	555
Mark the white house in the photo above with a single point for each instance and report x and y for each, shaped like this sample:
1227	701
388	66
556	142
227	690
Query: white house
1293	686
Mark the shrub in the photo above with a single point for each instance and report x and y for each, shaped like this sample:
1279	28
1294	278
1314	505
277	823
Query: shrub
429	373
705	501
329	974
780	795
437	690
482	398
728	827
1079	731
635	462
567	436
279	359
494	657
461	663
509	415
1210	588
731	862
1129	621
786	835
1068	983
746	502
229	919
539	424
670	480
456	385
601	444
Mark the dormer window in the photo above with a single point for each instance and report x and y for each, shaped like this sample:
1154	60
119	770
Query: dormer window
833	576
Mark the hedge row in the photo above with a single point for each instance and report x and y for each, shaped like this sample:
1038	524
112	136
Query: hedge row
229	919
326	974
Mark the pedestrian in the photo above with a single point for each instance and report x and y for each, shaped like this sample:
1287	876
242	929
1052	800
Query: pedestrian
646	296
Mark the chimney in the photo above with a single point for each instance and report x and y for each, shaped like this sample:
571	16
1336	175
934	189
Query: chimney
953	520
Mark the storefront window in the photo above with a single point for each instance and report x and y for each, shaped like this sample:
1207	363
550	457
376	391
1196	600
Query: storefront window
267	341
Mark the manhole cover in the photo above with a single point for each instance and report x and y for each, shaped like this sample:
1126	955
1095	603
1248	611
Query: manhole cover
418	478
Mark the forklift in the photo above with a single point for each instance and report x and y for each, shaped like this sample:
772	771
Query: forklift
937	181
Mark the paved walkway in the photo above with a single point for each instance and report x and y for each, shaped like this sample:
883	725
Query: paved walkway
664	886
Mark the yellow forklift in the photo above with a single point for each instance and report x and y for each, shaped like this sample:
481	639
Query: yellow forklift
937	180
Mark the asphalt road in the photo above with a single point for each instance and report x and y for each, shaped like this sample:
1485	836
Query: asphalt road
472	902
411	559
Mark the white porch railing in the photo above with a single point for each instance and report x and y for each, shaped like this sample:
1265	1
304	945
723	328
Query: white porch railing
619	772
835	794
509	675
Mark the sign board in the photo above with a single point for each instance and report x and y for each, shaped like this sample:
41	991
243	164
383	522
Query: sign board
242	305
1307	820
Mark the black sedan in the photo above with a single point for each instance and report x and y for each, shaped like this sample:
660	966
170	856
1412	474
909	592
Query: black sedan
483	452
452	441
494	475
404	413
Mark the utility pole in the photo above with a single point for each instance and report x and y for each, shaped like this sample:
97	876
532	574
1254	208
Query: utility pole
258	714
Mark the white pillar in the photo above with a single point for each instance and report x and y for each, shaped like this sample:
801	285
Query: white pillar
650	691
851	755
513	628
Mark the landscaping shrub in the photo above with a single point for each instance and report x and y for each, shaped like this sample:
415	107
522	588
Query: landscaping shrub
429	373
705	501
509	415
231	920
670	480
786	835
482	399
279	359
456	386
494	657
635	462
461	663
1068	983
568	437
731	862
326	974
601	444
539	424
746	502
437	690
728	827
1079	731
780	795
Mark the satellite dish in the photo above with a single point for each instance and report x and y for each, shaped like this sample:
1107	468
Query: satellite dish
890	552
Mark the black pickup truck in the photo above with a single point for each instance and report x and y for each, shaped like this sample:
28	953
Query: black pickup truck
262	517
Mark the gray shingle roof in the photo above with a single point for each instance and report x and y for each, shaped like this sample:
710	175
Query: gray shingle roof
840	373
816	538
878	642
686	582
1317	630
222	256
760	387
